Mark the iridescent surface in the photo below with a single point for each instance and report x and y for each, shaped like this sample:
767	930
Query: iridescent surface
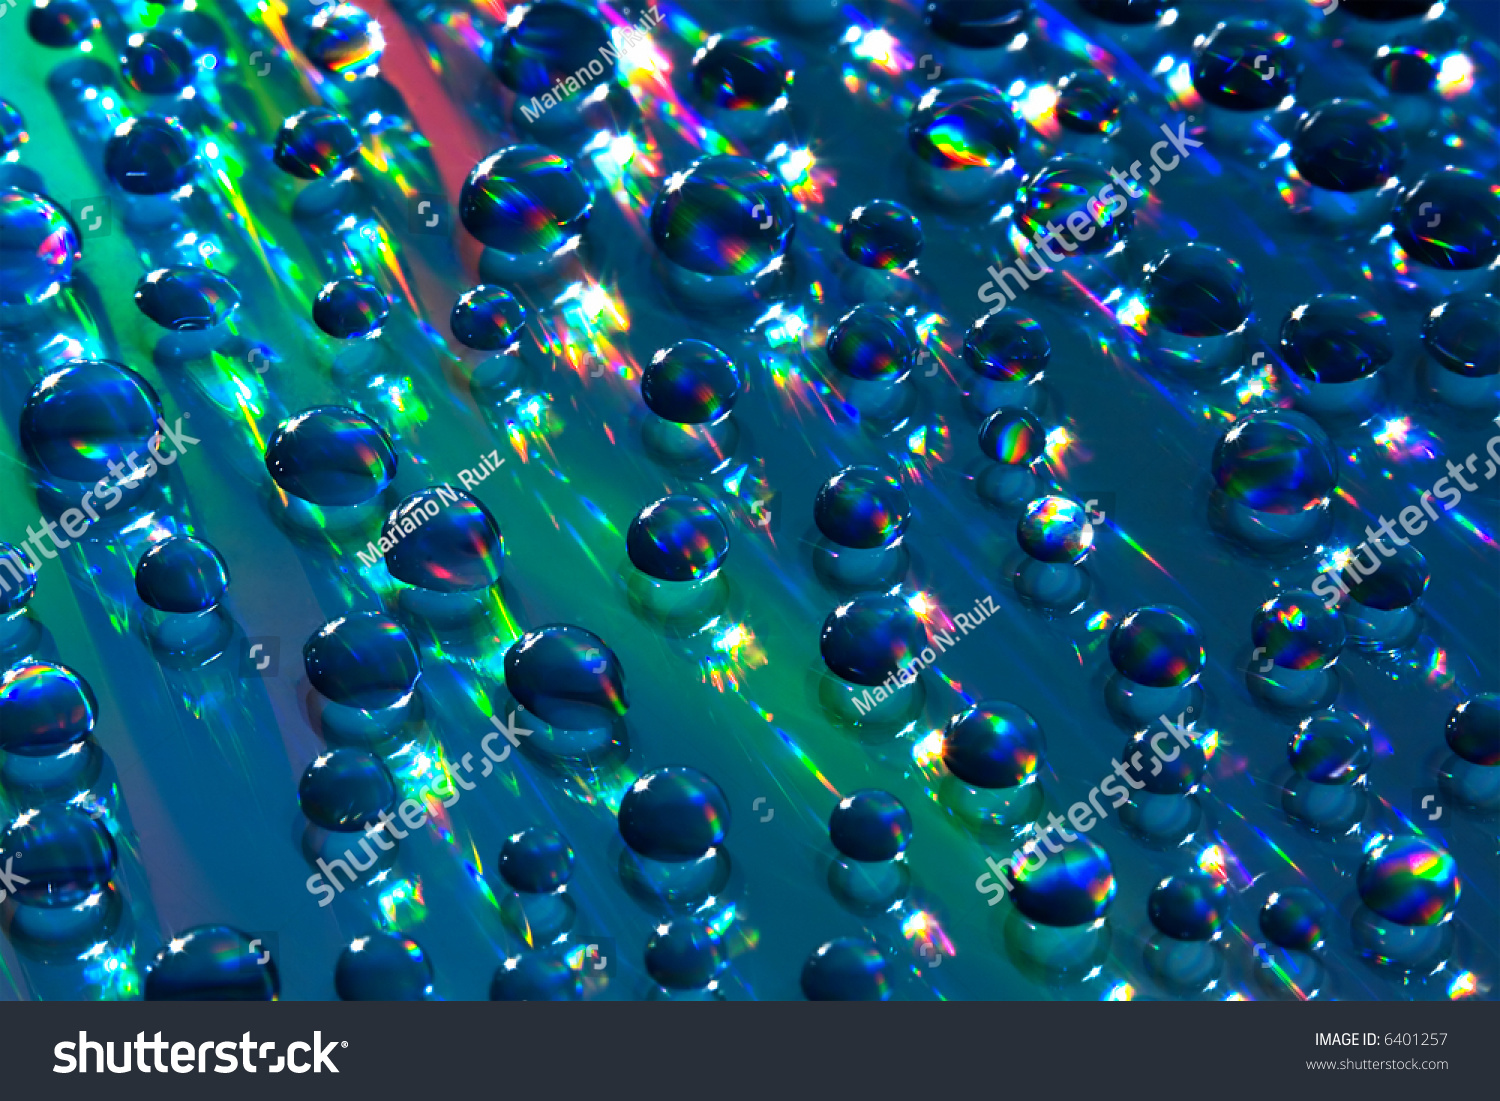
1335	338
1072	887
1347	145
870	825
1410	880
871	637
1007	347
38	246
883	235
524	200
678	538
740	70
1055	529
1450	220
871	343
1296	630
87	415
186	299
331	456
182	575
1245	65
1277	461
862	507
315	144
363	660
1332	747
722	216
1158	646
993	744
691	382
673	813
963	124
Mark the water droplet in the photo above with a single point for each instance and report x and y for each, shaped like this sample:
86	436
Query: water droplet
963	124
1297	631
723	216
38	245
536	860
536	978
158	62
347	790
546	43
871	638
1073	887
1293	919
1276	461
330	455
64	856
12	129
1463	335
1089	102
1347	145
1406	69
1160	776
149	155
524	200
1190	906
88	415
1449	219
364	660
344	39
212	963
1158	646
994	744
862	507
1245	65
1473	730
685	955
870	826
1007	347
316	143
351	309
1335	338
444	544
1013	436
678	538
691	383
566	676
1125	12
61	23
488	319
674	814
1061	188
882	235
1331	747
1055	530
44	709
186	299
1197	290
871	343
181	574
983	26
383	967
740	70
846	970
1409	880
16	591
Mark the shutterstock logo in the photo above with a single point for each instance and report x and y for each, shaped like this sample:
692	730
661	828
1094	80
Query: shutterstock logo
189	1058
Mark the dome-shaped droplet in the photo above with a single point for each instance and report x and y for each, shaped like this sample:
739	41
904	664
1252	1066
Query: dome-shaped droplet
1473	730
678	538
1073	887
330	455
1190	906
1062	188
687	954
1090	102
1406	69
1245	65
1410	880
963	124
1347	145
536	860
546	43
158	62
566	676
994	744
691	382
343	39
525	201
182	575
17	579
882	235
740	70
38	245
978	24
488	319
1276	461
59	855
1331	747
383	967
872	343
870	826
1293	919
1007	346
1157	646
871	638
1296	630
61	23
723	216
1449	219
346	790
212	963
316	143
1463	334
1397	582
846	970
363	660
536	977
186	299
1158	774
1055	529
149	155
85	416
1197	290
13	133
44	709
862	507
675	813
351	309
444	540
1335	338
1013	436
